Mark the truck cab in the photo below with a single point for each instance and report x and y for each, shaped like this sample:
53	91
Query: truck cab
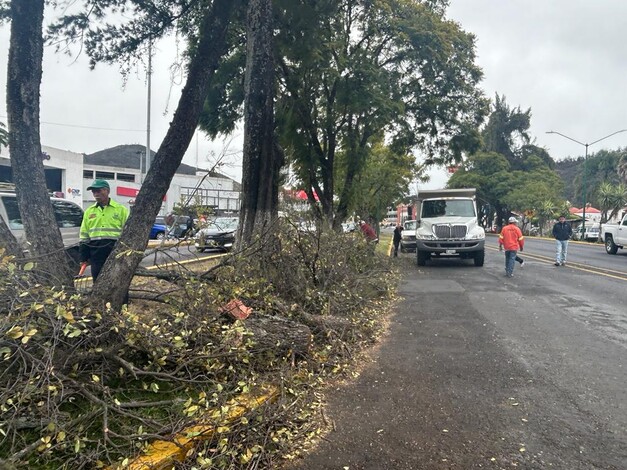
447	226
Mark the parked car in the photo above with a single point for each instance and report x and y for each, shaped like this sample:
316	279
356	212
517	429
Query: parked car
158	231
218	234
68	214
408	236
592	233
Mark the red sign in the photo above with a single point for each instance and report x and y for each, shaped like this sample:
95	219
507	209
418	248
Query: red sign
129	192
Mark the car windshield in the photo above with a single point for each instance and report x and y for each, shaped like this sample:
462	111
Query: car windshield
224	223
448	208
410	225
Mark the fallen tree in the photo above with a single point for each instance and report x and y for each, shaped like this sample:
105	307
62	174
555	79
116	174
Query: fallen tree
82	387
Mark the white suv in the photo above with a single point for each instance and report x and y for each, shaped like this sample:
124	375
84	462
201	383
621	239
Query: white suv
69	216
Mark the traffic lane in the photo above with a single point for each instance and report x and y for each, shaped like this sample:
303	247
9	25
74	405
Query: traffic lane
568	330
166	254
482	371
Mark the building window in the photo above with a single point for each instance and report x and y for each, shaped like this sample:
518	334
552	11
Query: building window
126	177
88	174
105	175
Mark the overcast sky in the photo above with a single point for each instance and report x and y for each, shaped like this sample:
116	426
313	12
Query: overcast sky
564	59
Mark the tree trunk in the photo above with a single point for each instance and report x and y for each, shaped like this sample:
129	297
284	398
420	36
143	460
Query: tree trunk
261	159
8	241
278	336
23	87
114	280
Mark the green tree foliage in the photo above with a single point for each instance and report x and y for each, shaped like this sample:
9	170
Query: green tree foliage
507	129
502	188
383	183
348	70
612	198
602	166
622	167
510	173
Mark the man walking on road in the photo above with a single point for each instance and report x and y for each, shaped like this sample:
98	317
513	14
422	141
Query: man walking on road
562	232
512	239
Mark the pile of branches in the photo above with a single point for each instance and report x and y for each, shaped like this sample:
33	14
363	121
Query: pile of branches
81	387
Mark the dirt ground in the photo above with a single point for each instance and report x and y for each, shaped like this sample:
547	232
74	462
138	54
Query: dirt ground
445	391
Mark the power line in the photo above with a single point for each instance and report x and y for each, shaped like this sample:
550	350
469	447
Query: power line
87	127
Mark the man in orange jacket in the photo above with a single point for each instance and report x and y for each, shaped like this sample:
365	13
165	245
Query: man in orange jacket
512	239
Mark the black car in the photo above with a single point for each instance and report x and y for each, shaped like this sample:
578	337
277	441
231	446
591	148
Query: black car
217	234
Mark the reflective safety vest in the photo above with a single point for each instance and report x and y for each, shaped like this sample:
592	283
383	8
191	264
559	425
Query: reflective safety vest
103	223
511	238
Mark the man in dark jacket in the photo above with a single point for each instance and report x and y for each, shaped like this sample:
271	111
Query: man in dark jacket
397	238
562	232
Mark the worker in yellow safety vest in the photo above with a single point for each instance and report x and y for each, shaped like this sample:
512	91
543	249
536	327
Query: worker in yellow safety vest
101	228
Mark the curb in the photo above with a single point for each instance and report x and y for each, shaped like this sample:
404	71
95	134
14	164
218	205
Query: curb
163	454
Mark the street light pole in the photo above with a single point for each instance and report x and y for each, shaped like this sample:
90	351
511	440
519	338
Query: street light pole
585	159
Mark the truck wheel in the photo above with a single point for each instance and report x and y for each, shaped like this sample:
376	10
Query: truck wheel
610	247
479	258
421	257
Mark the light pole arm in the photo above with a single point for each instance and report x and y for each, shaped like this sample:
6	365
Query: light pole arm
569	138
603	138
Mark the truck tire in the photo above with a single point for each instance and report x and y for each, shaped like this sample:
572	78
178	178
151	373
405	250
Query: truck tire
479	258
610	247
421	257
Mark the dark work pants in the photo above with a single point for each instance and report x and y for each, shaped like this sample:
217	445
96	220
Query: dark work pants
396	248
96	252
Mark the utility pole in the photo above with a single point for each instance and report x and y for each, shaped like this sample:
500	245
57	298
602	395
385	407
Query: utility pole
148	106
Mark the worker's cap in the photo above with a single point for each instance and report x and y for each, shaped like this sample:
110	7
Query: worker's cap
512	220
98	184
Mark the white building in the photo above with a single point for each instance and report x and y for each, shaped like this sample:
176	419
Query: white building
68	174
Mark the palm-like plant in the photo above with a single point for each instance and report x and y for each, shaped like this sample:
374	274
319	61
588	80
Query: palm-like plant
546	211
622	168
605	197
612	198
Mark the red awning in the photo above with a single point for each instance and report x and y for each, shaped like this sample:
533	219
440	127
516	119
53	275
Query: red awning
302	195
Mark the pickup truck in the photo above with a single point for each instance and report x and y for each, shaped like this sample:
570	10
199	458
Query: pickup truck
614	236
447	225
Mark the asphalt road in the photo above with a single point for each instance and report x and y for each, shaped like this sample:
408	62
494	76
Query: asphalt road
482	371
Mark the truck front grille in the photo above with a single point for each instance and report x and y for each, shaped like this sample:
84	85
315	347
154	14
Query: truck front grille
450	231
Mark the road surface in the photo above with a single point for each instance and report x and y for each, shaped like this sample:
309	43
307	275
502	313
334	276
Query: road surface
483	371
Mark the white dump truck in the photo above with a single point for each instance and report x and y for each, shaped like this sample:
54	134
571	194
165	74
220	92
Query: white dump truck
447	225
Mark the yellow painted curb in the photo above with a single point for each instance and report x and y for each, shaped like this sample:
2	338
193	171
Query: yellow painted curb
162	454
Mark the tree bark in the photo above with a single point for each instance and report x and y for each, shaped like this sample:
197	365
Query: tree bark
279	336
262	159
23	87
114	280
8	241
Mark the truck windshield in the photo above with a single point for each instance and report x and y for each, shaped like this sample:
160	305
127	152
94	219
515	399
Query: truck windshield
448	208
